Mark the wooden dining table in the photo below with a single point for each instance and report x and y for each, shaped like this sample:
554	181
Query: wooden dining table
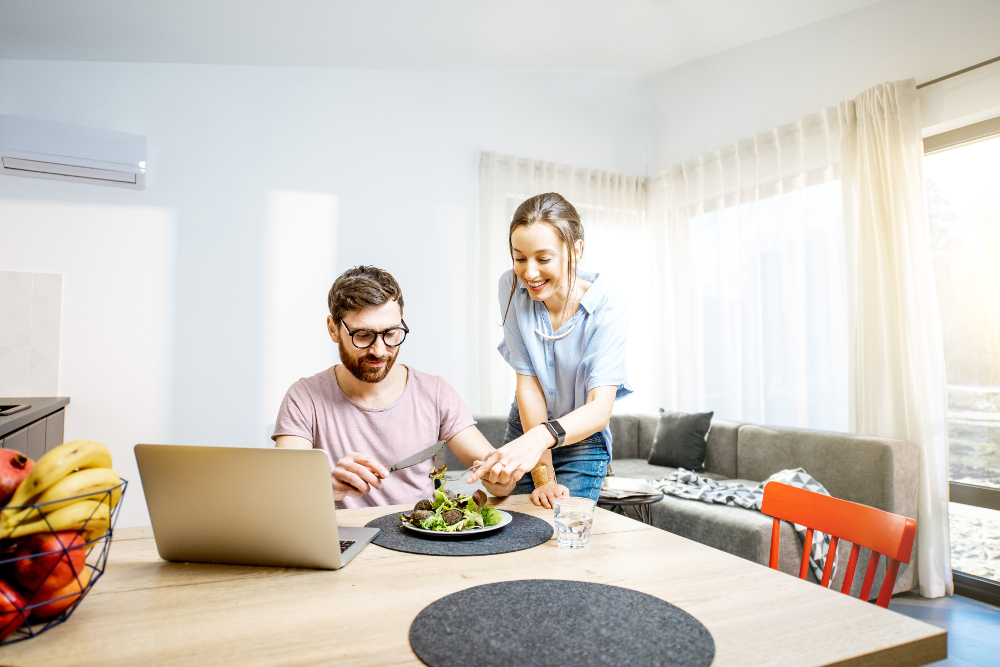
145	610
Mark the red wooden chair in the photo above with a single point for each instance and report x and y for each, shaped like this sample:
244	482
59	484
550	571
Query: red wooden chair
886	534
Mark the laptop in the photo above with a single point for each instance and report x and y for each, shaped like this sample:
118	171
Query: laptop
245	506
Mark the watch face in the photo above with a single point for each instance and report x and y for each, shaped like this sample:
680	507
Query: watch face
557	430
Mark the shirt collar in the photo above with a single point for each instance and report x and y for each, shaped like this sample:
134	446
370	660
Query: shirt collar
594	294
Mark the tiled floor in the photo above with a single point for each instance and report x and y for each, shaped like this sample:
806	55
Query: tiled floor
973	627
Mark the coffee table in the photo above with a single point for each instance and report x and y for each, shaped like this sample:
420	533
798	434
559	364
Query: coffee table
147	611
641	504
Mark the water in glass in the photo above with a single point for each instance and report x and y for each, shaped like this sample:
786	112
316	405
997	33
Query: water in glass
573	519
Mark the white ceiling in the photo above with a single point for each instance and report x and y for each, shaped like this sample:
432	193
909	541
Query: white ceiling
635	37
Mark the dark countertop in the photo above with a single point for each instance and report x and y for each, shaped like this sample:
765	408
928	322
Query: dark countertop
40	407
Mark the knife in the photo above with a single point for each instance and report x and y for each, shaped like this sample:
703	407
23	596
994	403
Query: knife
419	457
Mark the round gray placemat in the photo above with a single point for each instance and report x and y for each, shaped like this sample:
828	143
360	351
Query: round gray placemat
539	622
523	532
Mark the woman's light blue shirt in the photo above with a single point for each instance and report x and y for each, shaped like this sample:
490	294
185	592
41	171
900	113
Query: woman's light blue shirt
592	355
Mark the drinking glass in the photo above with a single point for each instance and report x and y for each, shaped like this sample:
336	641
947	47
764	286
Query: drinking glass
573	517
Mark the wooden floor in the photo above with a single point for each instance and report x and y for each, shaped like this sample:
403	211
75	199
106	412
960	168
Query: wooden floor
973	627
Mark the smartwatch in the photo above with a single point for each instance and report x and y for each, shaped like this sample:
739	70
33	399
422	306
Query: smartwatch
556	429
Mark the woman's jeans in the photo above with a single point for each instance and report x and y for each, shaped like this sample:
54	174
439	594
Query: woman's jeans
580	467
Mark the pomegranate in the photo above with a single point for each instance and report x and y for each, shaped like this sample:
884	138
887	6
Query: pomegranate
62	557
11	609
14	467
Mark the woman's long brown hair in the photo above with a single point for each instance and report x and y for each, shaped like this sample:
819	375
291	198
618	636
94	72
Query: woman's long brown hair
552	209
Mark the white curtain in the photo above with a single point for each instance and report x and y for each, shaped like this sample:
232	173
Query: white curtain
898	386
611	208
796	288
753	299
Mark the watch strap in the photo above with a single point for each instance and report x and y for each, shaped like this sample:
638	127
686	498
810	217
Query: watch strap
557	431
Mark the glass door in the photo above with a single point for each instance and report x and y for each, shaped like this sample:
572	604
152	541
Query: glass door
962	174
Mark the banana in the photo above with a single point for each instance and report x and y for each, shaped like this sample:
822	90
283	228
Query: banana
93	514
92	483
64	459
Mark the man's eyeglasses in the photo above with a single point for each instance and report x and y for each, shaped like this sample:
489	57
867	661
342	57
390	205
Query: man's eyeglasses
365	338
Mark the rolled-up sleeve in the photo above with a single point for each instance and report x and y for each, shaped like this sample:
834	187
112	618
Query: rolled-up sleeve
607	347
512	347
453	413
297	415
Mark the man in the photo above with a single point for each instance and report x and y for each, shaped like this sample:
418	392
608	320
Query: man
369	412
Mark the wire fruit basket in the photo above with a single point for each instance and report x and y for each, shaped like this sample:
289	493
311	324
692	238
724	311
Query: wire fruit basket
45	573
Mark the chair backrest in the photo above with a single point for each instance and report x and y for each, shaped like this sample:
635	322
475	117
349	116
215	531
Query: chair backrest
886	534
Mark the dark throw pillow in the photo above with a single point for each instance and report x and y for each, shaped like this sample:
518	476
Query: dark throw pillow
681	440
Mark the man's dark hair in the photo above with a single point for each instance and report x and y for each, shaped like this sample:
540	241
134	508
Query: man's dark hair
362	287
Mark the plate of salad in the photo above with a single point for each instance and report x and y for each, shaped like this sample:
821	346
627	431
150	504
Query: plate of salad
448	514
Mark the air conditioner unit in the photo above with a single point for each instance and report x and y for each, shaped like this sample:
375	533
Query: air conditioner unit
43	149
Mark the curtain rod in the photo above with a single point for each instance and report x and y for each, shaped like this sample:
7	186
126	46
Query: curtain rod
961	71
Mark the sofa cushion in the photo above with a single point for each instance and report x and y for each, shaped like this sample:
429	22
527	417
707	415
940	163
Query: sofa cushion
741	532
720	458
680	440
851	467
647	431
624	436
641	469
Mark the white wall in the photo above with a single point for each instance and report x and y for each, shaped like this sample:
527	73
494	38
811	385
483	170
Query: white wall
710	103
397	153
117	267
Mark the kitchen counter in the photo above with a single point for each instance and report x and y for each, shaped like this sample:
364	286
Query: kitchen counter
40	408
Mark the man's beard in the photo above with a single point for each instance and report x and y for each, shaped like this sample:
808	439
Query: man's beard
370	375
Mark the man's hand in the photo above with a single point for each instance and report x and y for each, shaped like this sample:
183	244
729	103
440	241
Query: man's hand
357	474
544	495
500	490
516	458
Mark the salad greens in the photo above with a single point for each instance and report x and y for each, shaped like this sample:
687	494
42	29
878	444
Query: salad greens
454	512
491	516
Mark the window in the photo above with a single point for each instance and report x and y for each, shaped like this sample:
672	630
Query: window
767	307
962	172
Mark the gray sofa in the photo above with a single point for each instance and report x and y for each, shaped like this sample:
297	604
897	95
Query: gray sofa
878	472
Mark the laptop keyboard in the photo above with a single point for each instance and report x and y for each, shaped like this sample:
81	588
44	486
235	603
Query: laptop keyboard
345	545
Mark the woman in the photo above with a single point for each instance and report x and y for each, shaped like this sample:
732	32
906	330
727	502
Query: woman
564	336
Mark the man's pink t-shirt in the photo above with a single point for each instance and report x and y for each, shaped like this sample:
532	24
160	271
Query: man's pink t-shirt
429	410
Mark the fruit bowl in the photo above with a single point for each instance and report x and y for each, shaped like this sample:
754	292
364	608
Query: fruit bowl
46	569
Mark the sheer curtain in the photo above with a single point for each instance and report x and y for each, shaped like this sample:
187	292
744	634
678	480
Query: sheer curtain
611	208
796	288
785	280
898	386
753	305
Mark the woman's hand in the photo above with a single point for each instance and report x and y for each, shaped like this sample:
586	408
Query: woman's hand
544	495
516	458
